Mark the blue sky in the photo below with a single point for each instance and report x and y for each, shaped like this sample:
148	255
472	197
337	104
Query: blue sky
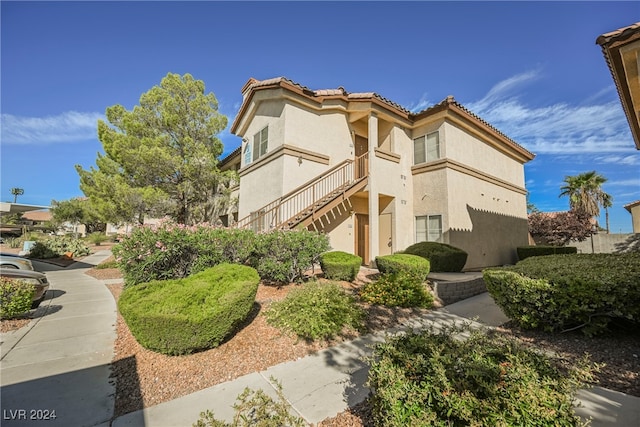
532	69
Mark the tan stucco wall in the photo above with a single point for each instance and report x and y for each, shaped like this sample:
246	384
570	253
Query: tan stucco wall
327	133
464	148
341	231
260	187
635	218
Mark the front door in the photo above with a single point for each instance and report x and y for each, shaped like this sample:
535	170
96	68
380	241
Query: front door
362	237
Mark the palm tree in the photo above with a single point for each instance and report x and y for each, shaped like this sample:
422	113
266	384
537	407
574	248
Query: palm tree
607	202
16	192
585	193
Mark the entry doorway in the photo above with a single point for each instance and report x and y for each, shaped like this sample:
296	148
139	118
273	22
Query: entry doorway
362	237
385	242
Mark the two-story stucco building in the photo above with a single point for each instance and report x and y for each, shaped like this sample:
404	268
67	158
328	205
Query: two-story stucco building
376	177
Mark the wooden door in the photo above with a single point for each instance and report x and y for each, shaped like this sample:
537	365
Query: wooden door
362	237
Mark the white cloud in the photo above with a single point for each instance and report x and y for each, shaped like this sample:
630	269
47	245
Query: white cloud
71	126
558	128
422	104
635	182
630	160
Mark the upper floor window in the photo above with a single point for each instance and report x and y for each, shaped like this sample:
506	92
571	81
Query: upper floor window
260	143
247	153
426	148
429	228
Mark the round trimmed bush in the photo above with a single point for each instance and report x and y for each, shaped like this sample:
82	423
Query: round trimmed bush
413	265
198	312
443	257
397	290
339	265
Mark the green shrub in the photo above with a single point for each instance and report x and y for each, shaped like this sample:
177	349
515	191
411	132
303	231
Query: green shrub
15	297
186	315
285	256
441	256
256	408
316	311
560	292
437	379
13	242
173	251
339	265
97	238
399	263
107	264
541	250
397	290
57	246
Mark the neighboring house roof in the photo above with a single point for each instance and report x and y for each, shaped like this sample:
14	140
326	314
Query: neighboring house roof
229	157
631	205
319	96
37	216
621	49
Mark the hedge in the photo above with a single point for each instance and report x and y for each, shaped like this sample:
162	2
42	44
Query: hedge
174	251
542	250
15	297
186	315
414	265
442	257
561	292
285	256
339	265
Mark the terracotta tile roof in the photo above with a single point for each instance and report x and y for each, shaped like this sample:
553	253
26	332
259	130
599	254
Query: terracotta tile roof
617	35
611	43
37	215
230	156
448	103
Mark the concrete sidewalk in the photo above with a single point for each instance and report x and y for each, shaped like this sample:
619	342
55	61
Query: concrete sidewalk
322	385
59	365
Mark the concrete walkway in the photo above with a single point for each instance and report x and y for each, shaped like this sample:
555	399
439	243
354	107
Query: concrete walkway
59	365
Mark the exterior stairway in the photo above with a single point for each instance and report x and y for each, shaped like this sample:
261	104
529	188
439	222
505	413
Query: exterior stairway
312	200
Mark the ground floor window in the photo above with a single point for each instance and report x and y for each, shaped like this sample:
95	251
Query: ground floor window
429	228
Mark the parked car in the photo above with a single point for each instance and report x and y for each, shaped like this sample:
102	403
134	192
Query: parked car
13	261
39	280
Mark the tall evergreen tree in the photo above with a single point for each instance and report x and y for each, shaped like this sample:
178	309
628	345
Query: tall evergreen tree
161	157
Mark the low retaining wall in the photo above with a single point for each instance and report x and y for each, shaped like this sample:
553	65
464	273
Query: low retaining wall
453	291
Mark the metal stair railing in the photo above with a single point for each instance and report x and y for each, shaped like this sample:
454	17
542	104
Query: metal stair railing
292	208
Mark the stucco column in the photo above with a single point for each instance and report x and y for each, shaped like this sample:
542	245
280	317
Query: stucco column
374	219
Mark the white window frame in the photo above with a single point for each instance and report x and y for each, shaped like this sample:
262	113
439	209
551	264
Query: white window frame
260	143
429	233
429	146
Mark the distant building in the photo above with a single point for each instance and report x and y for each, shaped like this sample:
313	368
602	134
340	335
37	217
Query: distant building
634	210
621	49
